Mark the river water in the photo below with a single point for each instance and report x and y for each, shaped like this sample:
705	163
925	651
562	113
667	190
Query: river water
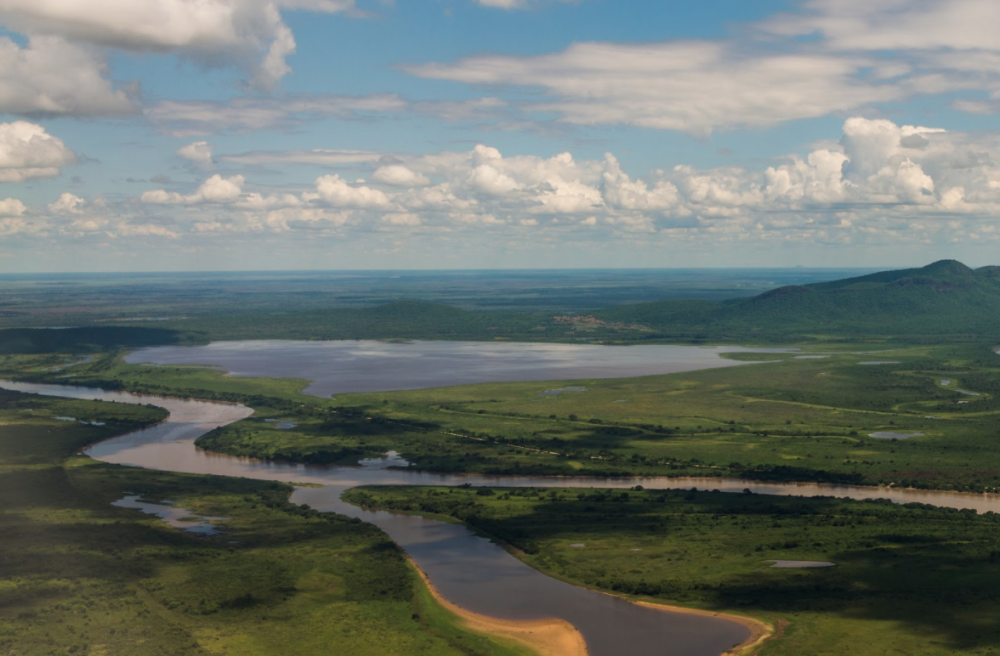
468	570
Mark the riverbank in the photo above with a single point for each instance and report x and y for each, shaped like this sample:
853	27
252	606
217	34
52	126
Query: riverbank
710	551
551	637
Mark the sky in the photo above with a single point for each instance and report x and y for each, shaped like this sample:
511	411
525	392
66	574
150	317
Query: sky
164	135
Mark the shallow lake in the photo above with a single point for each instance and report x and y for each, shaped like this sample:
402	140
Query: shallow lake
372	366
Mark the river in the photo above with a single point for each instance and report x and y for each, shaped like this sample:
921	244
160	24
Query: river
468	570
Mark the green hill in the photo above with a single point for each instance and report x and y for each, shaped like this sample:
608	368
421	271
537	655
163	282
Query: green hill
945	298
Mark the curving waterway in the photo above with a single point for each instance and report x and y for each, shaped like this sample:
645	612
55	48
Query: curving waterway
468	570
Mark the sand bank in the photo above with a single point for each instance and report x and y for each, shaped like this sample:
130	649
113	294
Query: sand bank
551	637
759	631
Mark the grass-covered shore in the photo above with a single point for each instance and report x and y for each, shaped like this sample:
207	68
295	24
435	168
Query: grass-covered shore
78	576
914	581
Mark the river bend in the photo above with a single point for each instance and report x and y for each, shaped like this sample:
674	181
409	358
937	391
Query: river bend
468	570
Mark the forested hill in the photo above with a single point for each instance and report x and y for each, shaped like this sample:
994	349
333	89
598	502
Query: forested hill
943	301
946	298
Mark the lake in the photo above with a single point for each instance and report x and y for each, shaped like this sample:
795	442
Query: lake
373	366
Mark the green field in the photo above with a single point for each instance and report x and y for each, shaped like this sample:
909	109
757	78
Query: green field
907	581
78	576
786	419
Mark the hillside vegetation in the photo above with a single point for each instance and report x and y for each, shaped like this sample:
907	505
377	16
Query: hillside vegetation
944	299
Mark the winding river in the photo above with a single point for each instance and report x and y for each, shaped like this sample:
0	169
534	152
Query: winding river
468	570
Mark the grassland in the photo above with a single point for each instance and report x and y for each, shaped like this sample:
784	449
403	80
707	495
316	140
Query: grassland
78	576
786	420
907	581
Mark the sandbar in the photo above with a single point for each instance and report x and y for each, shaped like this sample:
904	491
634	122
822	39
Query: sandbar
549	637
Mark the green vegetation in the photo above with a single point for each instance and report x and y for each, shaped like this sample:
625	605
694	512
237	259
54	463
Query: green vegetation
943	301
78	576
908	580
83	340
28	300
786	420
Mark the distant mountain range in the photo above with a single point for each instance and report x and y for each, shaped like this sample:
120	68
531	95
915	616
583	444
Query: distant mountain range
939	302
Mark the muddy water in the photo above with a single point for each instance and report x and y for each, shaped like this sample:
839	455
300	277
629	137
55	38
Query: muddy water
470	571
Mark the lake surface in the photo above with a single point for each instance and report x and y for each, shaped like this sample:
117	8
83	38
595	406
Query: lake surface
469	570
373	366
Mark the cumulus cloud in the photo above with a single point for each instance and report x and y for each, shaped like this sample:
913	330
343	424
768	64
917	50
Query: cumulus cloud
63	67
14	226
399	176
27	151
879	179
12	207
215	189
249	34
338	193
199	152
50	76
67	204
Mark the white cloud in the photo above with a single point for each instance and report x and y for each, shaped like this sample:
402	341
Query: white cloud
402	219
196	117
27	151
826	57
316	157
248	34
622	192
67	203
221	190
399	176
886	25
676	85
489	180
53	76
125	229
914	184
12	207
338	193
13	226
215	189
199	152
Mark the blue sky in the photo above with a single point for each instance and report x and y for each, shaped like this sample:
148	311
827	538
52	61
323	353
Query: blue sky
337	134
